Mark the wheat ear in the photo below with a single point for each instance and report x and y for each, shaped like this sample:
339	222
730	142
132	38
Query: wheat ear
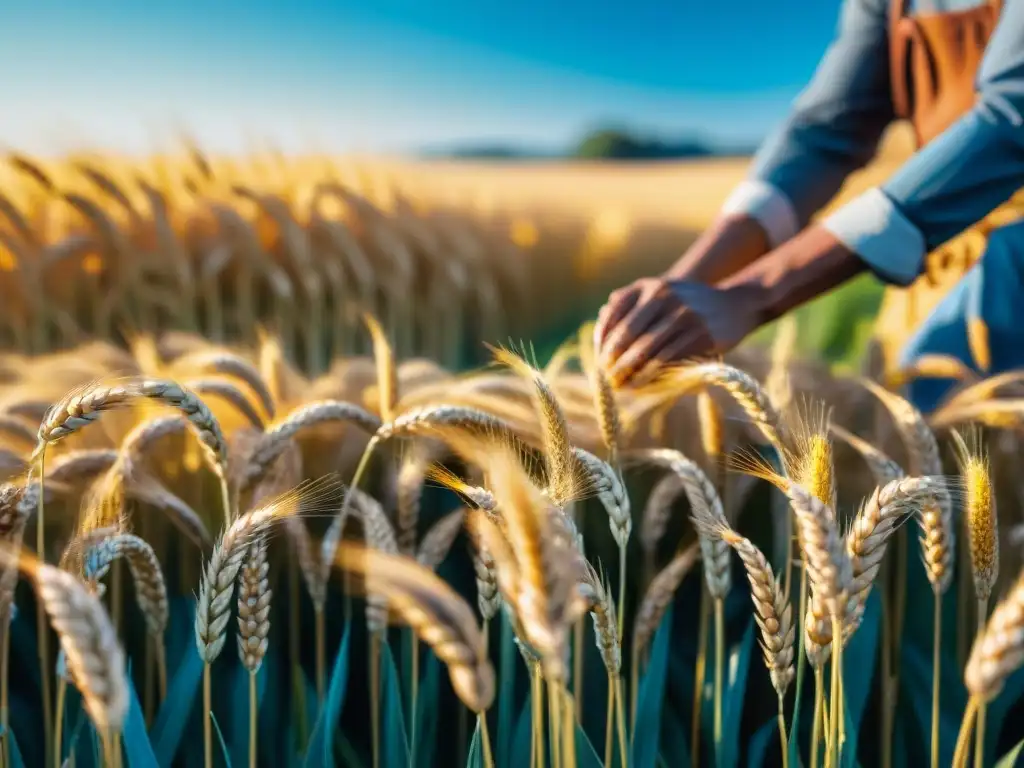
439	538
150	589
979	513
233	395
439	616
562	479
228	364
704	503
254	597
658	596
94	657
226	560
309	415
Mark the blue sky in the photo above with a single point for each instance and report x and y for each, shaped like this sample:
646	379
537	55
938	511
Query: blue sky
394	75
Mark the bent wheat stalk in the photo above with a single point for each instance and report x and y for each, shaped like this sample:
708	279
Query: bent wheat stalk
439	616
222	569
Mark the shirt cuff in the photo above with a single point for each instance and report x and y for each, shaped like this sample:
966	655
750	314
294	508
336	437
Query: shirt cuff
768	206
872	226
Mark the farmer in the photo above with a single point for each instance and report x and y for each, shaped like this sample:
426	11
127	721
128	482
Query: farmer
942	232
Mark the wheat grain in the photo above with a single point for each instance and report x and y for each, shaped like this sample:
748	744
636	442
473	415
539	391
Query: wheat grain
874	525
659	594
772	610
562	483
80	407
434	611
657	512
387	371
304	417
602	611
226	560
80	465
829	568
412	473
94	657
603	480
225	363
980	515
200	418
150	590
254	597
998	651
939	536
226	390
704	503
438	540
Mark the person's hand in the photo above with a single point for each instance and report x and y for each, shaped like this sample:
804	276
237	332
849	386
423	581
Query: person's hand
658	321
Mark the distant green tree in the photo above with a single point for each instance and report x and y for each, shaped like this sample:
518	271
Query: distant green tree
609	143
619	144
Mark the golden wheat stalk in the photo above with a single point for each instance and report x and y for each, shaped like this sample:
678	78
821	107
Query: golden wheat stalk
441	618
150	589
559	463
94	657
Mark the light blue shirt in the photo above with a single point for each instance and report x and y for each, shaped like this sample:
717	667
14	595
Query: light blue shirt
834	129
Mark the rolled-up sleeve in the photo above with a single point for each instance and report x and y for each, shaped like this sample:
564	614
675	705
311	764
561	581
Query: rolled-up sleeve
973	167
833	130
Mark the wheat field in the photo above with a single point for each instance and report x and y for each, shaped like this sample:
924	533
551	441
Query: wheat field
286	481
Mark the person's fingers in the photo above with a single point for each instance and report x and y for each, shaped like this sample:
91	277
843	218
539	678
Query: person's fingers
651	367
694	343
619	304
651	343
653	305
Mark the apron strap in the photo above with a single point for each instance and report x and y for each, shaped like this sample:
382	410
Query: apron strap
899	76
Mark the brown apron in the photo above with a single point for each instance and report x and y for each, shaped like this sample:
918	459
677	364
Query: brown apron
934	59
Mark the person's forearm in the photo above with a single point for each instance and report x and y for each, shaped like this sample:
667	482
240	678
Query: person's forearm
732	243
807	266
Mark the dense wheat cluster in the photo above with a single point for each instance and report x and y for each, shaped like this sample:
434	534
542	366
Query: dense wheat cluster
230	410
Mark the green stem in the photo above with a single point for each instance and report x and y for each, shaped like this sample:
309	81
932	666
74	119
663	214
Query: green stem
835	709
783	739
936	677
207	718
963	739
622	587
700	670
375	697
620	710
485	740
537	712
719	669
609	723
414	692
252	719
819	701
320	632
554	725
42	627
58	733
979	739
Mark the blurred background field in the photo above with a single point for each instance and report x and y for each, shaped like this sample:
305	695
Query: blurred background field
373	229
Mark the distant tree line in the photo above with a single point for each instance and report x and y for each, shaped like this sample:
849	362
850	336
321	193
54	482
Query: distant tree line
600	144
619	144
